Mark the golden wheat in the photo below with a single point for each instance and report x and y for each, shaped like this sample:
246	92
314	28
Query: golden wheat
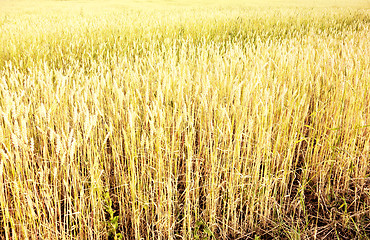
169	123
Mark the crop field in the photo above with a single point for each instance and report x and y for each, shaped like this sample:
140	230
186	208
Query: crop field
171	119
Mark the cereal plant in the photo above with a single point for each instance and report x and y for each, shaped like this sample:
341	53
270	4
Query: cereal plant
184	120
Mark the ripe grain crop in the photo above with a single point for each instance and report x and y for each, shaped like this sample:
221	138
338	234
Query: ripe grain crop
209	123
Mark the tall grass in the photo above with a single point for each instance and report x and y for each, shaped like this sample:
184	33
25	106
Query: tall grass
216	124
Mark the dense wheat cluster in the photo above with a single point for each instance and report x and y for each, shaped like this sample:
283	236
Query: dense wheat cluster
183	123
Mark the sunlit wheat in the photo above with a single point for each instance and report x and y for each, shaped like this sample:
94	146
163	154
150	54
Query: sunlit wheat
182	123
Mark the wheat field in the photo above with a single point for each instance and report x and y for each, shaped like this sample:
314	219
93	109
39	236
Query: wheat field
184	119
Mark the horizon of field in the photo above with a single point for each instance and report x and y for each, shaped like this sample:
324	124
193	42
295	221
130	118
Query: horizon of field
98	6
